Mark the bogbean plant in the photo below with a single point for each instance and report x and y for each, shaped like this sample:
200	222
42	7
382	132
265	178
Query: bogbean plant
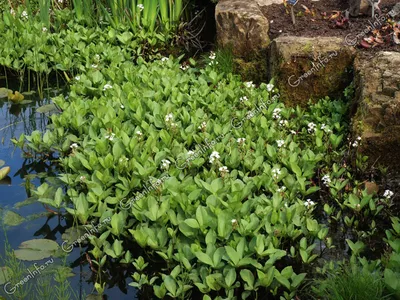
249	187
68	49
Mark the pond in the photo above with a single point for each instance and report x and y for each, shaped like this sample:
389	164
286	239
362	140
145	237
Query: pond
37	222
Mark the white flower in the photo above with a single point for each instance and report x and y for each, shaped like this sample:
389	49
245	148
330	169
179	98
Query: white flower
77	78
97	57
122	160
169	117
184	67
12	11
281	189
326	180
213	63
212	55
280	143
359	138
139	133
214	156
190	153
283	123
44	29
173	125
140	6
309	203
107	86
286	205
203	126
164	59
24	15
276	114
234	222
74	146
388	194
94	66
249	84
110	136
224	170
122	106
355	144
311	127
293	132
276	173
82	178
244	98
165	164
241	140
270	87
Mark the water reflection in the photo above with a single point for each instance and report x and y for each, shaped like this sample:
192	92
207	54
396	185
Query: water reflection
41	221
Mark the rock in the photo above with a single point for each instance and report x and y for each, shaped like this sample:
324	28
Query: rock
358	7
242	26
377	108
307	68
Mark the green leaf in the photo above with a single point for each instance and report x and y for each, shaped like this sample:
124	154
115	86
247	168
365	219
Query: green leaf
170	284
230	276
5	275
233	255
4	172
204	258
248	277
11	218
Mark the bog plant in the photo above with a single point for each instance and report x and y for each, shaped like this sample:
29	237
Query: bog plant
245	177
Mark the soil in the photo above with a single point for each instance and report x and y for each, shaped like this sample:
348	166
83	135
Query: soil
313	18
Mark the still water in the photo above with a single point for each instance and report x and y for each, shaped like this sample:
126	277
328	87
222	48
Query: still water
39	223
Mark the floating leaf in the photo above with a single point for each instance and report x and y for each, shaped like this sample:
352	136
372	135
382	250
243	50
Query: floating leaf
4	172
4	92
25	102
2	163
30	93
47	108
36	249
11	218
5	274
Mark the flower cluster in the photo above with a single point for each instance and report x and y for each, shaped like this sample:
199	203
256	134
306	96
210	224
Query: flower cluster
281	189
326	180
107	86
325	128
140	6
110	136
388	194
309	203
203	126
241	140
250	84
311	127
184	67
74	146
165	164
214	156
283	123
224	170
280	143
355	143
243	99
276	114
276	173
270	87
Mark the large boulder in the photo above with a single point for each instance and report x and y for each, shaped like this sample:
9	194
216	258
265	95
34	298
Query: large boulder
242	26
377	117
310	68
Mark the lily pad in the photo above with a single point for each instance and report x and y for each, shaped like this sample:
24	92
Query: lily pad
73	234
4	172
25	102
48	108
5	275
4	92
36	249
11	218
30	93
